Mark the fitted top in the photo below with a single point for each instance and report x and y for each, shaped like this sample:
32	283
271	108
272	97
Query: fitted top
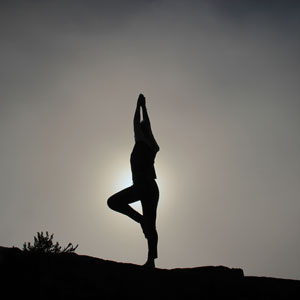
142	162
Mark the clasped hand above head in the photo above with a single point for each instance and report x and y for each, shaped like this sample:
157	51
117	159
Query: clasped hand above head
141	100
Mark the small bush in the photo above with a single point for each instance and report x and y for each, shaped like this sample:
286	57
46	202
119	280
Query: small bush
44	244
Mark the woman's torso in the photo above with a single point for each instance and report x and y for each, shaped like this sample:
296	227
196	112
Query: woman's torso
142	162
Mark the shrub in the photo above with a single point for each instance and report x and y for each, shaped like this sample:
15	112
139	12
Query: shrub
44	244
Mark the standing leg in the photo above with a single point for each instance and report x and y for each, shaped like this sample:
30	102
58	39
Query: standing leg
120	203
149	205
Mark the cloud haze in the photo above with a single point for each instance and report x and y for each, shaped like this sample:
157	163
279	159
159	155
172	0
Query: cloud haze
221	80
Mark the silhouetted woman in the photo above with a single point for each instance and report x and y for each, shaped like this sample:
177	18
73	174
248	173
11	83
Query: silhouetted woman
144	186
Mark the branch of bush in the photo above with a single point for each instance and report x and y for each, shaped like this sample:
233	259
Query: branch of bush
44	244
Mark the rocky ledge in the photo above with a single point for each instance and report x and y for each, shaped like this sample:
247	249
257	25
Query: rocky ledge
72	276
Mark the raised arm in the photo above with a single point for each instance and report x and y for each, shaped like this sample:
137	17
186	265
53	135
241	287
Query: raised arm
137	119
137	116
146	116
143	134
150	138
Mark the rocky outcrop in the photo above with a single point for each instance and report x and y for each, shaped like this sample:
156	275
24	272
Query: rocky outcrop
72	276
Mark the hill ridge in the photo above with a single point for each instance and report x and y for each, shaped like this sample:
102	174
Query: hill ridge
70	275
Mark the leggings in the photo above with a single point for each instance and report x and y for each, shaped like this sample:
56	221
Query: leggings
147	192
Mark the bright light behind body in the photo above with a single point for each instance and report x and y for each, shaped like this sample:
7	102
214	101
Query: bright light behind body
221	87
123	181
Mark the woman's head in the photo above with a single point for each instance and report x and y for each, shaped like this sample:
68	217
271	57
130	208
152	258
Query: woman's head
145	128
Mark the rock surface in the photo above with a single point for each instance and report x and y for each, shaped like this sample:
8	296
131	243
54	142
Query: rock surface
72	276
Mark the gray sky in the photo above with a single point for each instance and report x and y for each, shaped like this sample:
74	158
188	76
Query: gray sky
221	80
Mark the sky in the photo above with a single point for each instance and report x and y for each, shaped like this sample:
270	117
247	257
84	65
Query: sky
221	81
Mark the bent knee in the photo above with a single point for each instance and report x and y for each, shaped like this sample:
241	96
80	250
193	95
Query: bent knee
111	203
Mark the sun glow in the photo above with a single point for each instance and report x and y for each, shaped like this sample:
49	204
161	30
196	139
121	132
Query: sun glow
121	178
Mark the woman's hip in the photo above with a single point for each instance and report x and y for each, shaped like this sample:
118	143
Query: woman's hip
147	189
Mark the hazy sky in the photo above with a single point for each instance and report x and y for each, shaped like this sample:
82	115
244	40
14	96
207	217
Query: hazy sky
221	80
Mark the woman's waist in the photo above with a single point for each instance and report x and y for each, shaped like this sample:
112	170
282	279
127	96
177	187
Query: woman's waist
143	171
144	177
